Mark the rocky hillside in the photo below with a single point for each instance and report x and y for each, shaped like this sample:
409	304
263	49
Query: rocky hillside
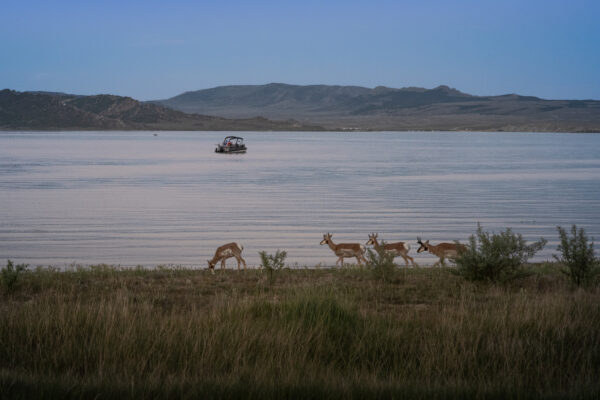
58	111
441	108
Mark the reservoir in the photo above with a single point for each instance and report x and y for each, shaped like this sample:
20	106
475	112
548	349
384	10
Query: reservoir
133	198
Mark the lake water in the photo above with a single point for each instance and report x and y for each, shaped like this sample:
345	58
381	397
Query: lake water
133	198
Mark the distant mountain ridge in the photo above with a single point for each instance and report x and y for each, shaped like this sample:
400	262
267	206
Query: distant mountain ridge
411	108
313	98
58	111
283	107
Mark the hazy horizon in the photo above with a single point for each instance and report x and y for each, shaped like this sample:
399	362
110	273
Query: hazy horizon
153	50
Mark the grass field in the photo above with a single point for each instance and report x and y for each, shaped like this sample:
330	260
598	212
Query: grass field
102	332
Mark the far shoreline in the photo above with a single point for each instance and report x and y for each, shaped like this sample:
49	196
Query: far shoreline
70	130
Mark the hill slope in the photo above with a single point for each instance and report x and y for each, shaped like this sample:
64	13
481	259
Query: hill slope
57	111
441	108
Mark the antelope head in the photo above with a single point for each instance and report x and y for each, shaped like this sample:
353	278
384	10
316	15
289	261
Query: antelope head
211	266
326	238
424	246
372	240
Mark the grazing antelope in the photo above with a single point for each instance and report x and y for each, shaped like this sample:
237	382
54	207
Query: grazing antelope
224	252
442	250
347	250
396	249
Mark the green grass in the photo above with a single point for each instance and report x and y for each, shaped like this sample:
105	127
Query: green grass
103	332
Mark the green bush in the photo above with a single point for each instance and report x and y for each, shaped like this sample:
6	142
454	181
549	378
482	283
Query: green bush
496	257
10	274
381	263
272	263
577	255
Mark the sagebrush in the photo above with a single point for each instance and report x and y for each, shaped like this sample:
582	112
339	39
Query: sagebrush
272	262
496	257
10	274
577	255
381	263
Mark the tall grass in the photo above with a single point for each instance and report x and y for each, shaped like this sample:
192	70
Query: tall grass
319	333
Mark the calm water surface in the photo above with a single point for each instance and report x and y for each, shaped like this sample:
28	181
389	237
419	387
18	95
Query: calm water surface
132	198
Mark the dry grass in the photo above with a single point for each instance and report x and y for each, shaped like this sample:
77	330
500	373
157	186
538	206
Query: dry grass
104	332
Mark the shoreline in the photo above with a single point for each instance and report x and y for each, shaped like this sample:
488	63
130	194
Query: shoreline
42	130
185	268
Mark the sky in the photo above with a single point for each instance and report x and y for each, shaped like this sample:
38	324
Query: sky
158	49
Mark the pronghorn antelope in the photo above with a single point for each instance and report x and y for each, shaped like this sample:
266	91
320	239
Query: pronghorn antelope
396	249
347	250
224	252
442	250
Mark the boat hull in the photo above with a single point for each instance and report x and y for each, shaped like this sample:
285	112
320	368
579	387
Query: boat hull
230	149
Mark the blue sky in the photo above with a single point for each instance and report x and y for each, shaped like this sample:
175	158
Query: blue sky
158	49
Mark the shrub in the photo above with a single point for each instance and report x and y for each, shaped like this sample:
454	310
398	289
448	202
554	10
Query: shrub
496	257
577	255
10	274
272	263
381	263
